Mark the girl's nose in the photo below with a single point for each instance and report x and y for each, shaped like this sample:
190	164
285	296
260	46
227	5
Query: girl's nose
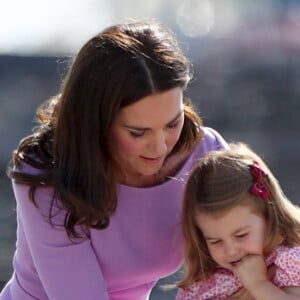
231	249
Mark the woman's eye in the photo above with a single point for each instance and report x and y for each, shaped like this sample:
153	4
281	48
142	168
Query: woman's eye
173	125
136	134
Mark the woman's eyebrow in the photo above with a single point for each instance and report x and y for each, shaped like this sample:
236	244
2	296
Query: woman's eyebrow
146	128
207	238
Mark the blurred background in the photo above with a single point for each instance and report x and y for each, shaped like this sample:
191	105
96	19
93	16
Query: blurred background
246	84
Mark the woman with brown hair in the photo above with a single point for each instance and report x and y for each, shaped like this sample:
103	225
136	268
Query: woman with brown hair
99	183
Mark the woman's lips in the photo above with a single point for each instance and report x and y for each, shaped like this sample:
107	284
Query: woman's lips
154	159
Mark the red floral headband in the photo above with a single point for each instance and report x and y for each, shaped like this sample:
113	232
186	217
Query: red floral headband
258	188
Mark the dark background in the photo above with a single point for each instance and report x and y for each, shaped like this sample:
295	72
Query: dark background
246	85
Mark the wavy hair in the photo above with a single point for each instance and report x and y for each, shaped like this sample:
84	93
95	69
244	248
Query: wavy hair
219	182
117	67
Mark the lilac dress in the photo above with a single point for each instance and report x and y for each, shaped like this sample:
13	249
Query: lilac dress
142	244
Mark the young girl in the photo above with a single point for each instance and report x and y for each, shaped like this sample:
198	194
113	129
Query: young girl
237	222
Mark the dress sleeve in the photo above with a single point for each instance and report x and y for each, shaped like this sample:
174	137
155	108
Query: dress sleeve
66	269
213	140
287	267
221	285
191	294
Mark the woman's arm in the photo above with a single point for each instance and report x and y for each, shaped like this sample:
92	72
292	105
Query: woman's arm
66	269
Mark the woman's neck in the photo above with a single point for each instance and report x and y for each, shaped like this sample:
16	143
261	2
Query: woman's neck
170	168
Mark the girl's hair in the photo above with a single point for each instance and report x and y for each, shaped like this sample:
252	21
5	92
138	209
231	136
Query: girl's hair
115	68
221	181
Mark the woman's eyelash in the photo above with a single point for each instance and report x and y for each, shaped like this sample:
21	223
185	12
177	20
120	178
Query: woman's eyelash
136	133
139	134
173	125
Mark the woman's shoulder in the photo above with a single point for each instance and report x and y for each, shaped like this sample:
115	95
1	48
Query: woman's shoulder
213	137
33	156
211	140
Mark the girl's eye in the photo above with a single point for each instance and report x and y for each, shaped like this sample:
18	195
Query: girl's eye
215	242
240	236
136	134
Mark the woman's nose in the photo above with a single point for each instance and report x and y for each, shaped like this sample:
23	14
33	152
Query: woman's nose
158	144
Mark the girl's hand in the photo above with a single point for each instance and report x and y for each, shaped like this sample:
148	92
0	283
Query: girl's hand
243	294
251	271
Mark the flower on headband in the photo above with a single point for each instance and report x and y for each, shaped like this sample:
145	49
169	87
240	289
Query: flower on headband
258	188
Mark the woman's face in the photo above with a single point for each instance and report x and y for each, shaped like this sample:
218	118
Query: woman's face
144	133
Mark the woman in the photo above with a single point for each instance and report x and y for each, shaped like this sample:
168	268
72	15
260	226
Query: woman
99	183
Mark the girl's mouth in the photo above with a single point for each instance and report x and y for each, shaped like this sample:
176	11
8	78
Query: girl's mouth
234	263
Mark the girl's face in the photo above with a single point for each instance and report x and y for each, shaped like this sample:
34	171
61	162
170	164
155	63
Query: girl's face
144	133
233	235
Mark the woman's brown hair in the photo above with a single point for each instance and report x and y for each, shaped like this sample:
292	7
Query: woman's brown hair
117	67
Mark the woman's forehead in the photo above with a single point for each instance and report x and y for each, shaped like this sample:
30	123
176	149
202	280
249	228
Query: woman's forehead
157	107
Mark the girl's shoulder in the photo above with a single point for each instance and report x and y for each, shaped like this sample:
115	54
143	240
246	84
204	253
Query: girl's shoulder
221	285
285	255
287	262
